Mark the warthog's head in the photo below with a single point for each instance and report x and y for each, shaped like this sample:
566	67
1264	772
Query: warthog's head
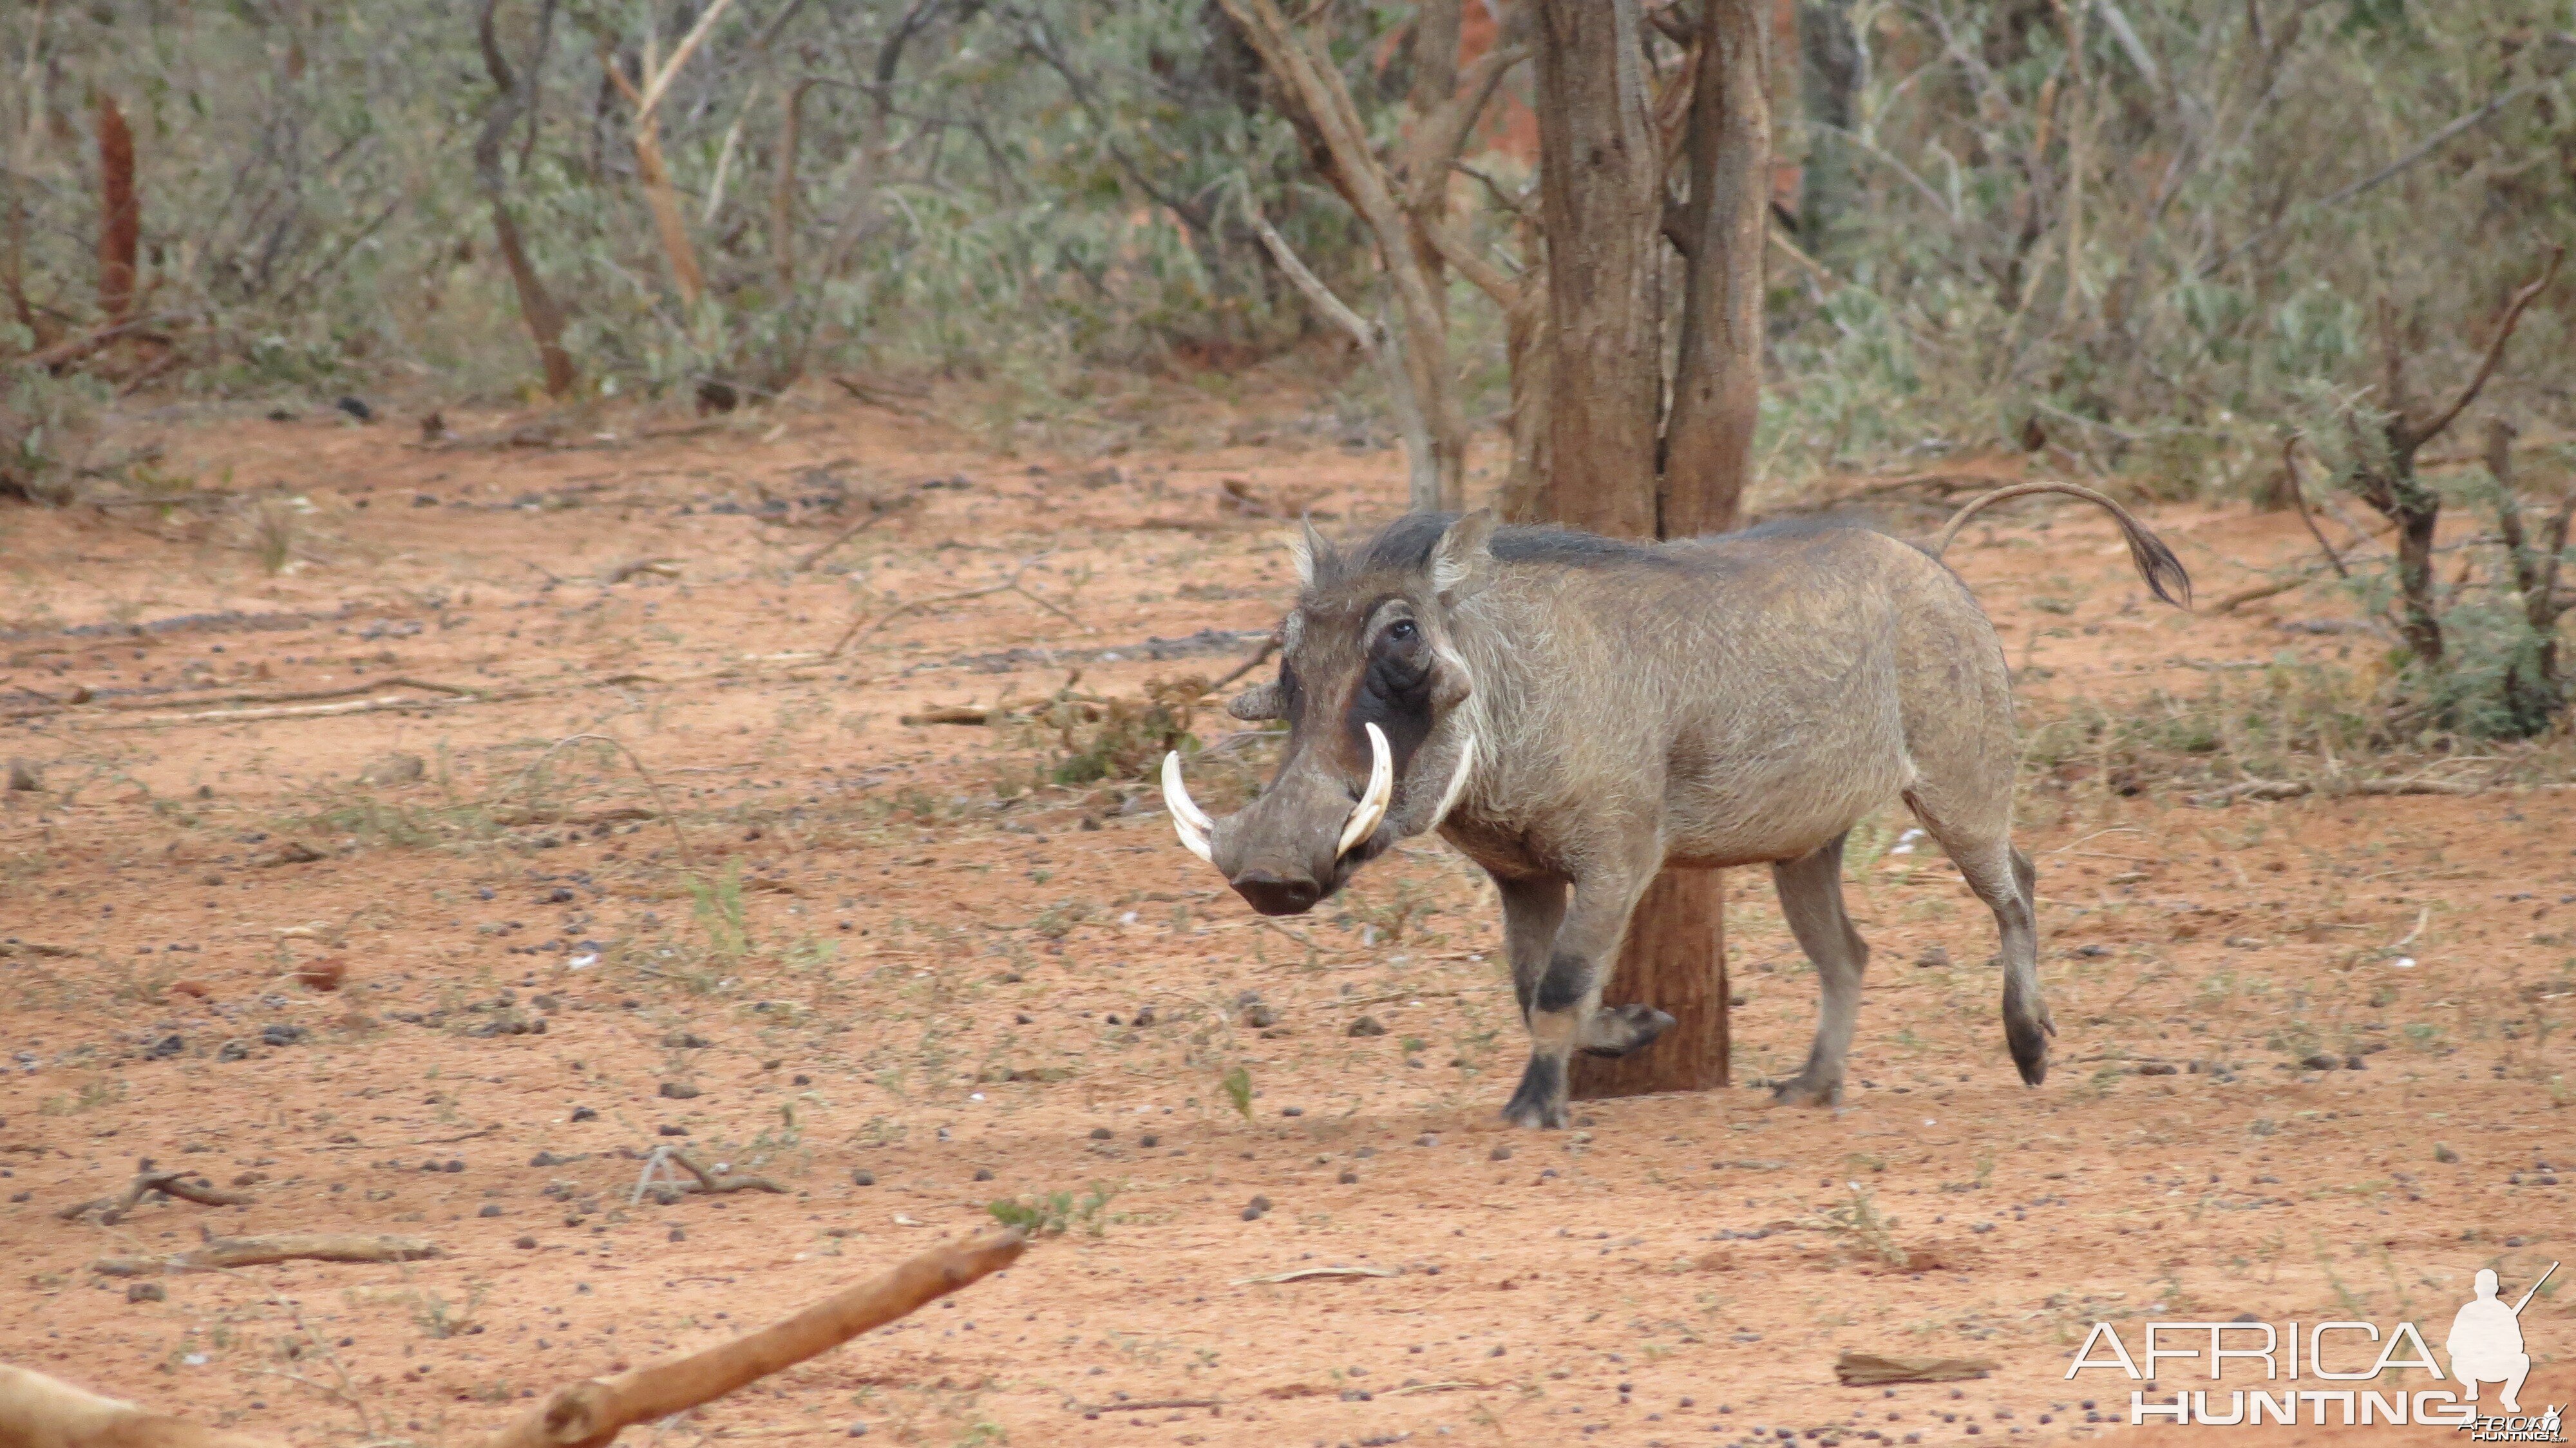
1381	736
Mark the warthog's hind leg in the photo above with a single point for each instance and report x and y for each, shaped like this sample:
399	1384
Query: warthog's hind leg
1811	899
2004	878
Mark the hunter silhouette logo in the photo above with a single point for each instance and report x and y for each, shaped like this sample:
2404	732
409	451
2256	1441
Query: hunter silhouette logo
2486	1341
2484	1347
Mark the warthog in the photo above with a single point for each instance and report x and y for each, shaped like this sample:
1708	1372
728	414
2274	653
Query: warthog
1574	713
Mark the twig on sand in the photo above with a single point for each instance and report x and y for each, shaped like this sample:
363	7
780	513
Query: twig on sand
876	514
303	696
858	632
2261	591
661	805
1153	1405
168	1183
664	1157
2280	789
659	567
220	1252
1868	1369
1300	1274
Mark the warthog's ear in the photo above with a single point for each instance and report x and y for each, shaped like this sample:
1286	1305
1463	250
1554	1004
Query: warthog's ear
1314	556
1261	701
1463	559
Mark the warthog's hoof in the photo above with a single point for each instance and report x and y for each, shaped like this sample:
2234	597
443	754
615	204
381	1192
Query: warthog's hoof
2029	1042
1619	1030
1806	1091
1540	1101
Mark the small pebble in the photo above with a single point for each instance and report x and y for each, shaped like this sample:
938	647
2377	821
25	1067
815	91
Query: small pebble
679	1091
1102	1133
1292	1110
983	1173
1499	1153
525	1244
863	1178
490	1209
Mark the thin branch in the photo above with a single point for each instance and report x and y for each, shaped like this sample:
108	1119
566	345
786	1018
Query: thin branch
859	632
875	516
2425	148
2419	434
652	99
2299	500
1311	286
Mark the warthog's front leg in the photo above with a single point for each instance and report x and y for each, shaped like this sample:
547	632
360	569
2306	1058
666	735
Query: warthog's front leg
1558	975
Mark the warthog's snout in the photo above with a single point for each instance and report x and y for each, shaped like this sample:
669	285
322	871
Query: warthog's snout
1271	895
1291	847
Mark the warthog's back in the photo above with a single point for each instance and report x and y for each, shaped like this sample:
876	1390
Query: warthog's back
1772	685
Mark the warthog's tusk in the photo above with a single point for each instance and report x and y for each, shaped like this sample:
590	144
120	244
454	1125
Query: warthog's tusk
1457	780
1381	788
1188	820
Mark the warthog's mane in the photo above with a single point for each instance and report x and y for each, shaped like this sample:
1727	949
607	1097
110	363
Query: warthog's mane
1406	544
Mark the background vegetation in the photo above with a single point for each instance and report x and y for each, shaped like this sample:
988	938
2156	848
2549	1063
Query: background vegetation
2147	240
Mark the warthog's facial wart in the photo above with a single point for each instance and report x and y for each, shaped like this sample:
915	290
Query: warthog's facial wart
1378	747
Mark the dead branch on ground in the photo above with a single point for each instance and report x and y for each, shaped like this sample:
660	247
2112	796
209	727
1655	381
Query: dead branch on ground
858	632
588	1415
661	805
2268	790
878	512
168	1183
222	1252
39	1412
713	1181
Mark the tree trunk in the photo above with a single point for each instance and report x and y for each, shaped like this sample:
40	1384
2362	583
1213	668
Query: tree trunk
1675	961
120	220
1601	202
1717	381
1320	105
1600	199
537	306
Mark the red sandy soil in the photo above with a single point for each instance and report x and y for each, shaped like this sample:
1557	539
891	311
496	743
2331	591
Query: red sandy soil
939	977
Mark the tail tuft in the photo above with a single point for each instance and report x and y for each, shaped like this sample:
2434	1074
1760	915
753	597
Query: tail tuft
2164	574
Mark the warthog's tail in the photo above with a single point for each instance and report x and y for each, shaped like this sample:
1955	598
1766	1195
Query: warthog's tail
2156	563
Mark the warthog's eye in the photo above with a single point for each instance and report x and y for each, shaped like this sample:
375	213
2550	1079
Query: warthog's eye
1402	631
